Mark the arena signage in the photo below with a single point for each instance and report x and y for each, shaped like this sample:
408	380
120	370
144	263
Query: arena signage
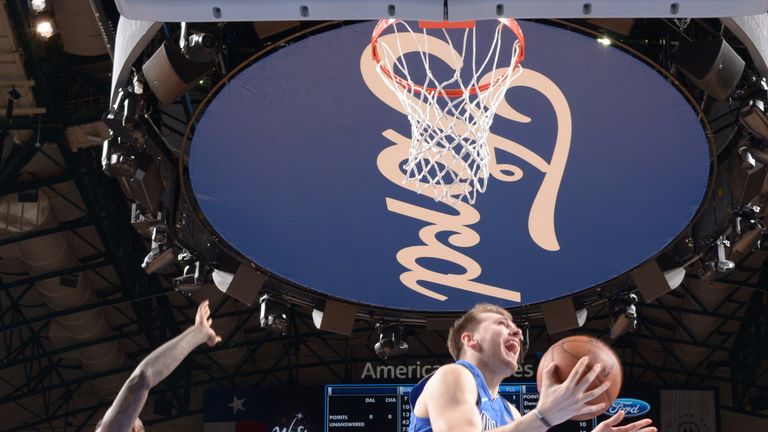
387	372
631	407
598	162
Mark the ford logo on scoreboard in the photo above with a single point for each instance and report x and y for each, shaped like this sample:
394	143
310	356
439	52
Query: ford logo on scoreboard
597	164
631	407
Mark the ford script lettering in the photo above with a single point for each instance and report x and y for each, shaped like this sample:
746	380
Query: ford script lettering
631	407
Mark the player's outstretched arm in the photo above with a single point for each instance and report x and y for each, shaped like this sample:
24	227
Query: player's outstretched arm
610	425
155	368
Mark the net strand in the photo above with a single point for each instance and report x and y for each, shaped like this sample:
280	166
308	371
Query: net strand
449	153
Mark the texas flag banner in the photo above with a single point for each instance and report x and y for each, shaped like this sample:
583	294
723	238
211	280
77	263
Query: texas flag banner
234	411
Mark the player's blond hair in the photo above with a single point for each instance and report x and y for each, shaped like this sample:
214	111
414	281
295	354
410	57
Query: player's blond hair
468	323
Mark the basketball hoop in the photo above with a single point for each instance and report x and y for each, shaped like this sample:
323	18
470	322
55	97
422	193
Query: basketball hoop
450	118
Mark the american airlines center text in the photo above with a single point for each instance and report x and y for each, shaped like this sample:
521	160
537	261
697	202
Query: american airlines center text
418	371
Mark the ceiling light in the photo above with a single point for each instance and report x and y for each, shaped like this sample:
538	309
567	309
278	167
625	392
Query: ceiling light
38	5
45	29
721	264
391	343
754	118
624	315
603	40
273	314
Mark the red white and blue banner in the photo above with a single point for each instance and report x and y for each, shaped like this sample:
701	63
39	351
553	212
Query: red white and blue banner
234	411
257	410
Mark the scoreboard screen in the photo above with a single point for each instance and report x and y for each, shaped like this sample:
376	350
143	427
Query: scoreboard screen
387	408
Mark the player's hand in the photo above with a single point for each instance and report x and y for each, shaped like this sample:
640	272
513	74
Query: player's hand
610	425
203	322
560	401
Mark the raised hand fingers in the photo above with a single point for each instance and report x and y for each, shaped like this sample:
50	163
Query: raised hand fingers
203	313
594	410
597	391
548	375
589	378
577	371
615	419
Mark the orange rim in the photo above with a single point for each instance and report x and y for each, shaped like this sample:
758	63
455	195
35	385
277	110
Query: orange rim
452	92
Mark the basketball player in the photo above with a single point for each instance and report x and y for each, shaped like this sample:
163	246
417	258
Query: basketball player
123	415
464	396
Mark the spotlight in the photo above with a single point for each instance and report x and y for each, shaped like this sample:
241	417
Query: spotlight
201	48
160	255
748	162
123	118
118	160
195	278
721	264
391	343
38	6
604	40
754	118
751	237
157	261
44	29
137	85
745	216
624	315
274	314
170	71
143	221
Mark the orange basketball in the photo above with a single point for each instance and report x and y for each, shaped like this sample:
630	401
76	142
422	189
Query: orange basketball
567	352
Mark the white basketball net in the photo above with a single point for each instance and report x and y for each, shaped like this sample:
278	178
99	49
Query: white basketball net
450	118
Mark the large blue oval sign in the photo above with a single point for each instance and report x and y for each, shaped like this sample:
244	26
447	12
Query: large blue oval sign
598	163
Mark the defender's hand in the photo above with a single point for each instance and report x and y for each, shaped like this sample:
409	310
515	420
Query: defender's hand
203	321
610	425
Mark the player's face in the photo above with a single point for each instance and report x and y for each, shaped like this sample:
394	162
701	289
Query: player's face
500	340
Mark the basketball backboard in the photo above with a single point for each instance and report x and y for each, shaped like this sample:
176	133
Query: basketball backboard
453	10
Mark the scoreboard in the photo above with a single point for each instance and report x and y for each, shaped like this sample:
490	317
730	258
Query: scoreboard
387	408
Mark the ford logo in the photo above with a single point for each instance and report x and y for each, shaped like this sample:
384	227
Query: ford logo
631	407
297	164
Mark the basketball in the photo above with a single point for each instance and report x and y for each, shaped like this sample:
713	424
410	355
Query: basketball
567	352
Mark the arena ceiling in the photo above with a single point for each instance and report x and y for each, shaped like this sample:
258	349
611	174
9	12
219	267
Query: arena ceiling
77	311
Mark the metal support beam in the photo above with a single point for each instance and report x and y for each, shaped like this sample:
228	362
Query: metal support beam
54	274
74	224
96	305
